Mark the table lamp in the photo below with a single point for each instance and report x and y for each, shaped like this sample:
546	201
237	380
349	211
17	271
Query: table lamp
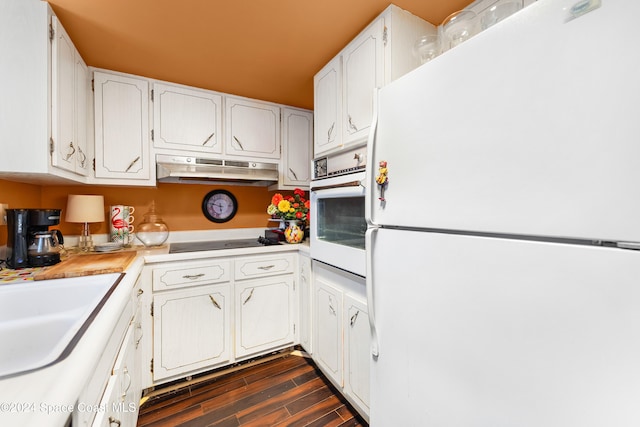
85	209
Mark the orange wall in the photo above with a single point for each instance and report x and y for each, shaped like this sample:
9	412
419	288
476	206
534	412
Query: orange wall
17	195
178	204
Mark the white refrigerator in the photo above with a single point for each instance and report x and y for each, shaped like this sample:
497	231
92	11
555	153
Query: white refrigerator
501	284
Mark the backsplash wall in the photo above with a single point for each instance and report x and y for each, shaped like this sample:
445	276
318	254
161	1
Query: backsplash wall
180	205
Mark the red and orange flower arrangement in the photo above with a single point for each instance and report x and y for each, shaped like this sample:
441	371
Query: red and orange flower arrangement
288	208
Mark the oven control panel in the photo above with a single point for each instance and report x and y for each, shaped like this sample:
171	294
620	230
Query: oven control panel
342	163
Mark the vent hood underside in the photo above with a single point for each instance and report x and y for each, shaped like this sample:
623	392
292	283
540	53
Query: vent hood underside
193	170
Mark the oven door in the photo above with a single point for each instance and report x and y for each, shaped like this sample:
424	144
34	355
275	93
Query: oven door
338	223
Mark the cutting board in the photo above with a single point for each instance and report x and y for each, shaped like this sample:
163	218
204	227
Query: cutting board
88	265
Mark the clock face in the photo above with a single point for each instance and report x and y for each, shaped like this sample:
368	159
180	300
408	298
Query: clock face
321	168
219	206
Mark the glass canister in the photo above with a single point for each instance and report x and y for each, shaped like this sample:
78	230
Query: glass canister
152	231
458	27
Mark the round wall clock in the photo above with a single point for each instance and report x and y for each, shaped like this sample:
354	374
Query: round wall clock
219	206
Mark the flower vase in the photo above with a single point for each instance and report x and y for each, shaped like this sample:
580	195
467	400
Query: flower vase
293	233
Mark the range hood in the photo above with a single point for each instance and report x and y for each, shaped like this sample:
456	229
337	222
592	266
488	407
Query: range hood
194	170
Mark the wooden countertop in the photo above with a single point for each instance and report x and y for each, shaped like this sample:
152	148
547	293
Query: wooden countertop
77	265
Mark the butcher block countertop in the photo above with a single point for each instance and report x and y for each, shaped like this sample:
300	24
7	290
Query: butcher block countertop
77	265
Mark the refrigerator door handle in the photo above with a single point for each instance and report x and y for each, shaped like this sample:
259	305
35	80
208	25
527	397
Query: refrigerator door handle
370	185
369	240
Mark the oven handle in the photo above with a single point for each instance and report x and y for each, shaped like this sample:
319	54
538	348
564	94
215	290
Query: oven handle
343	185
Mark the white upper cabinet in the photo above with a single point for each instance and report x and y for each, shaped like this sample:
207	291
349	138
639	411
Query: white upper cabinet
252	128
362	70
42	109
122	128
344	88
187	119
70	80
297	137
327	100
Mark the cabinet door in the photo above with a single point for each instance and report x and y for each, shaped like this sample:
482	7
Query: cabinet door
130	386
327	342
357	337
264	314
121	127
187	119
305	309
191	330
121	398
252	129
363	70
297	137
63	111
327	97
82	91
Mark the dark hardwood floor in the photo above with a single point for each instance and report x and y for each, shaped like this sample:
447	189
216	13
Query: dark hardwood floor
285	391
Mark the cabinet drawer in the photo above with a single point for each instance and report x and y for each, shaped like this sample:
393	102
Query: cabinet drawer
250	267
181	275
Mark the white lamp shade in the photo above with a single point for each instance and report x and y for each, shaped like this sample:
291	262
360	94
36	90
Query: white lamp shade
85	208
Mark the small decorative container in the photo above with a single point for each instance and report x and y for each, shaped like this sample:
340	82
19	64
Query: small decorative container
152	231
293	233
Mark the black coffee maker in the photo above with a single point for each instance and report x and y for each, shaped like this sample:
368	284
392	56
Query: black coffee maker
30	243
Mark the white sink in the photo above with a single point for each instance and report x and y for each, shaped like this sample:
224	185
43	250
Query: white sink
40	322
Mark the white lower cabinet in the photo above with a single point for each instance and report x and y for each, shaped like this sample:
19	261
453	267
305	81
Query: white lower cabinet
264	314
328	331
191	330
213	312
341	334
305	304
111	397
357	345
119	405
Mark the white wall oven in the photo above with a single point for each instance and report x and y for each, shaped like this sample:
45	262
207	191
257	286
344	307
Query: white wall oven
338	223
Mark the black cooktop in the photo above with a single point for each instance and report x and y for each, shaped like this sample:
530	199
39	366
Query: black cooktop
176	248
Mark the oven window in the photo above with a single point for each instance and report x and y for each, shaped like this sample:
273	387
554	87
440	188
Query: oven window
341	220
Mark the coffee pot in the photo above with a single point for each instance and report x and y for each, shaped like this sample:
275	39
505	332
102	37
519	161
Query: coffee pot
44	247
30	243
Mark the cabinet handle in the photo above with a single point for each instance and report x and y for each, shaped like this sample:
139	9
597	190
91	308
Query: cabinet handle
352	125
83	158
352	321
132	163
330	131
193	276
114	421
207	140
213	300
333	310
239	143
71	151
124	393
140	292
139	328
294	174
249	297
266	267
